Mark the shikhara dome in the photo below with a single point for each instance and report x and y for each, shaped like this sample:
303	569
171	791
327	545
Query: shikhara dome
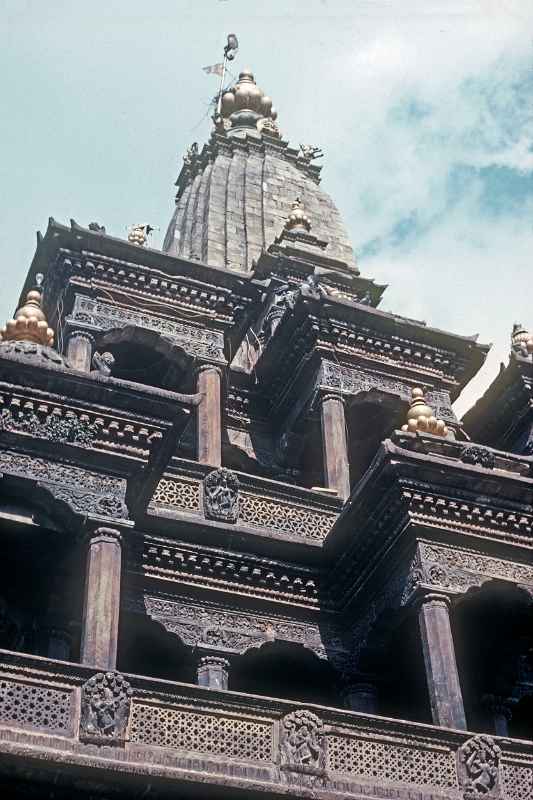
235	195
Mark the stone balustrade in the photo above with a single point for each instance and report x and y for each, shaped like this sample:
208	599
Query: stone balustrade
69	715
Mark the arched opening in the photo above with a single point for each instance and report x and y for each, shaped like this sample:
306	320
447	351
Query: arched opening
493	634
144	356
146	648
288	671
370	419
41	580
393	657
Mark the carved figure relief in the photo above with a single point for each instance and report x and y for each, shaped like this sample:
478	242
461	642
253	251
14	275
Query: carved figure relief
105	707
221	495
479	768
302	743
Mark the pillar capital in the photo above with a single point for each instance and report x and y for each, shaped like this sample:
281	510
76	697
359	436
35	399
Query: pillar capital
426	597
208	367
81	333
340	398
104	534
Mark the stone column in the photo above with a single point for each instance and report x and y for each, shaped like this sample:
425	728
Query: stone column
335	445
361	695
213	672
209	416
102	599
500	710
80	350
59	643
444	689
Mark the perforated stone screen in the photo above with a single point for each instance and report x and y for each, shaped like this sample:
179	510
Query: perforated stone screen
204	733
25	705
391	762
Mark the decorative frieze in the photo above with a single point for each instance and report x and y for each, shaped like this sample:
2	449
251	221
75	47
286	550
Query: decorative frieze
253	576
458	568
478	456
197	341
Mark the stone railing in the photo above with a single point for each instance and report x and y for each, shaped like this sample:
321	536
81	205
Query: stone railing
65	714
258	504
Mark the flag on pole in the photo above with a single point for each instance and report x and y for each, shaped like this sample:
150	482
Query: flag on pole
214	69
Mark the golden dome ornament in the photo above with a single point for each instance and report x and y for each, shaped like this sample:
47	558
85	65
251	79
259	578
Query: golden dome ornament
298	219
420	417
29	323
138	234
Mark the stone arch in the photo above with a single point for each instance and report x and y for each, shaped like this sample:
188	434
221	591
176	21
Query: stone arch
144	356
493	636
288	670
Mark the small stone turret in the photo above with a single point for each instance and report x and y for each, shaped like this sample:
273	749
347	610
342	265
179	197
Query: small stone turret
420	417
29	323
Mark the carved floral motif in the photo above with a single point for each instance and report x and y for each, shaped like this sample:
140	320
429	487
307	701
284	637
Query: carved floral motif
54	427
105	707
479	768
478	456
221	495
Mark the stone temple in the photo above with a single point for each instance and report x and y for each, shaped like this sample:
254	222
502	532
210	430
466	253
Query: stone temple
249	551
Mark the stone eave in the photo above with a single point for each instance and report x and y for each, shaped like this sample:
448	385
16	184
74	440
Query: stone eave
77	238
435	473
503	406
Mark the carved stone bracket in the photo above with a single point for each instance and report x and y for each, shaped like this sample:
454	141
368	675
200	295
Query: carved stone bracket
221	495
194	340
83	491
105	708
232	632
478	768
302	748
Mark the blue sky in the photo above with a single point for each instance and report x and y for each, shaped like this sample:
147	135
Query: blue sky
424	111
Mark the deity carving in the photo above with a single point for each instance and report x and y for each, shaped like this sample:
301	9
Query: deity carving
221	495
302	742
105	707
479	761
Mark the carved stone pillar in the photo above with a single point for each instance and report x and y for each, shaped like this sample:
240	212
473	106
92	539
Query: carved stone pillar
361	695
209	416
444	689
80	350
335	445
213	671
102	599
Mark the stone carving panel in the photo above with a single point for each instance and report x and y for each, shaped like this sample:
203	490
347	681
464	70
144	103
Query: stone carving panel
221	495
105	708
302	743
478	765
469	568
177	494
194	340
54	427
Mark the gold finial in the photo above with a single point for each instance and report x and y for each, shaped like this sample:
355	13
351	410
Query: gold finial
245	105
521	340
298	218
138	234
420	417
30	323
